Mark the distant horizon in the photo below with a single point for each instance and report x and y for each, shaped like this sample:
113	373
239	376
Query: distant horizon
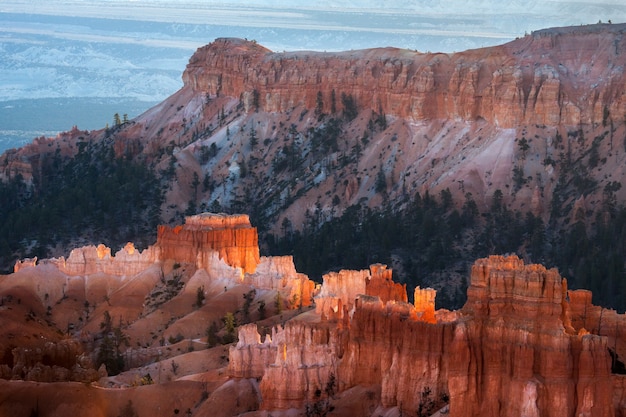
457	25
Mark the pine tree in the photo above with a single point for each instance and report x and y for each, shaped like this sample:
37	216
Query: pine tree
229	324
319	104
253	138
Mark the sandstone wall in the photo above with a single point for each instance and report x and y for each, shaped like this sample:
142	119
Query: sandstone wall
543	78
516	348
522	354
89	260
388	345
305	359
338	292
279	273
226	246
380	284
340	289
250	356
232	237
586	317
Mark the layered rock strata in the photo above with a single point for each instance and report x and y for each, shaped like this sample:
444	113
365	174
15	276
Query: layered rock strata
226	246
522	345
340	290
222	250
507	85
89	260
521	353
232	236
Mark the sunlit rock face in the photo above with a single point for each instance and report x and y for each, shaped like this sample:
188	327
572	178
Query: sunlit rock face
424	300
209	252
340	290
541	78
516	348
523	345
232	236
520	350
91	259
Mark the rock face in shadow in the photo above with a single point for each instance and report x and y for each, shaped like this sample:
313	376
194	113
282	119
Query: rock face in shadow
54	362
518	347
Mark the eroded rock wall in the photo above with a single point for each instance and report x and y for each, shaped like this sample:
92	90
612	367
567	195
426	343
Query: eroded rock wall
91	259
544	78
279	273
516	348
340	290
232	237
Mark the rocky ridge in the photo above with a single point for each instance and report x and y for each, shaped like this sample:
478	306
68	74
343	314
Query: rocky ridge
539	79
205	256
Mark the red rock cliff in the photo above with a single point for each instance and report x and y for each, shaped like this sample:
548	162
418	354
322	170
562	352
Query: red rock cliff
517	348
516	354
231	236
549	77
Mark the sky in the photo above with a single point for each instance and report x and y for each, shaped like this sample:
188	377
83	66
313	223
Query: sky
458	24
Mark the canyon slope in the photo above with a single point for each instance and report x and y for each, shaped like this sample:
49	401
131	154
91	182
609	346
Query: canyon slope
199	323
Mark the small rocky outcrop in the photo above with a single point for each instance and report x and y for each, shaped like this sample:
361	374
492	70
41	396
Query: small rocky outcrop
53	362
232	236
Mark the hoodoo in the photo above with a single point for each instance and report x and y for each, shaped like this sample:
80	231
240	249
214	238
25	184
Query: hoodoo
232	236
523	344
527	134
510	351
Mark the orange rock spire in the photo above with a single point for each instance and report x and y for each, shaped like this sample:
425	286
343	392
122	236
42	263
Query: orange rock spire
510	351
232	236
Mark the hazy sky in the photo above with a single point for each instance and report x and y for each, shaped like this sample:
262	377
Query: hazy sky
460	22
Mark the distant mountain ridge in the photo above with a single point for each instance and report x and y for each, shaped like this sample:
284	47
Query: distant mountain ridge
430	121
